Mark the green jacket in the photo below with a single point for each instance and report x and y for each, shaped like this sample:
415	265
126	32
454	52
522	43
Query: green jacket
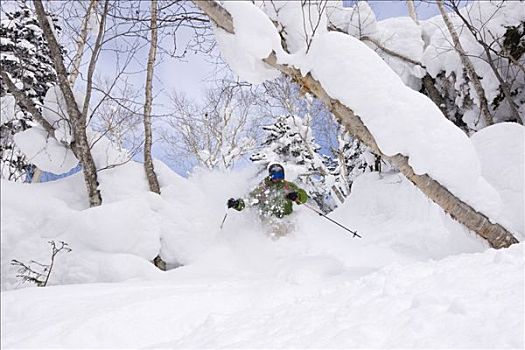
270	198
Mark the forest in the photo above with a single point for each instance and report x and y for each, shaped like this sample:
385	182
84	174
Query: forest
262	174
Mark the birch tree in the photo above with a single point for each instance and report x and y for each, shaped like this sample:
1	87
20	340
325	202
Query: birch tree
412	11
153	182
77	118
469	67
495	234
81	42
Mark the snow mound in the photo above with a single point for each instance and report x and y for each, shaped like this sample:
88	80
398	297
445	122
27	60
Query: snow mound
501	149
45	152
398	224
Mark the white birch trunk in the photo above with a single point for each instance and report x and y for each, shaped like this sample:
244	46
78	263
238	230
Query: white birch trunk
153	182
81	43
148	159
412	11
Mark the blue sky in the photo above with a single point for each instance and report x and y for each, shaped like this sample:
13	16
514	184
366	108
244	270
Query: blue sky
386	9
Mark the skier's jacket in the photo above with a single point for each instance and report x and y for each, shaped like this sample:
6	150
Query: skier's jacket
270	198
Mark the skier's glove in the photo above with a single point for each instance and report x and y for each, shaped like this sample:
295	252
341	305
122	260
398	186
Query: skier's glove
232	203
292	196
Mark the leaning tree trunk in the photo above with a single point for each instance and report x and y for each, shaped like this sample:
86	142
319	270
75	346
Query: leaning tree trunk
495	234
148	159
469	67
78	121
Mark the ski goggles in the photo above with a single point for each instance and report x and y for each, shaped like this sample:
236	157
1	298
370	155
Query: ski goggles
276	172
278	175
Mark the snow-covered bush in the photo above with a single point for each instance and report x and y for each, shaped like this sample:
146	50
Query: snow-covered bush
289	141
352	160
36	272
423	55
25	57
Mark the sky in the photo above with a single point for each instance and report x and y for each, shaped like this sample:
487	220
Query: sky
387	9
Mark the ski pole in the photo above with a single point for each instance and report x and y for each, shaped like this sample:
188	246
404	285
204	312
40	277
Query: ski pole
335	222
224	219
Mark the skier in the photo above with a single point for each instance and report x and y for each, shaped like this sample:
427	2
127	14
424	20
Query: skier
274	197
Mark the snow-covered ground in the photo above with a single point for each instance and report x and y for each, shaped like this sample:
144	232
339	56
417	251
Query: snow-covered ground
417	279
464	301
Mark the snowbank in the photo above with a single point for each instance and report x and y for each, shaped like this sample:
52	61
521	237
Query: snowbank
501	149
397	222
34	214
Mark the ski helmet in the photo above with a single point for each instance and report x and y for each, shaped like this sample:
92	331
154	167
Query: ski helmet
276	171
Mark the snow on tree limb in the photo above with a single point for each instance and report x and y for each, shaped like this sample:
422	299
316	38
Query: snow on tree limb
480	223
27	103
467	63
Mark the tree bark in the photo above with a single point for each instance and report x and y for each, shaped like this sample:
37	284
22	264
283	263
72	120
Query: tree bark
433	94
148	160
81	43
37	174
495	234
78	121
469	67
412	11
153	182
